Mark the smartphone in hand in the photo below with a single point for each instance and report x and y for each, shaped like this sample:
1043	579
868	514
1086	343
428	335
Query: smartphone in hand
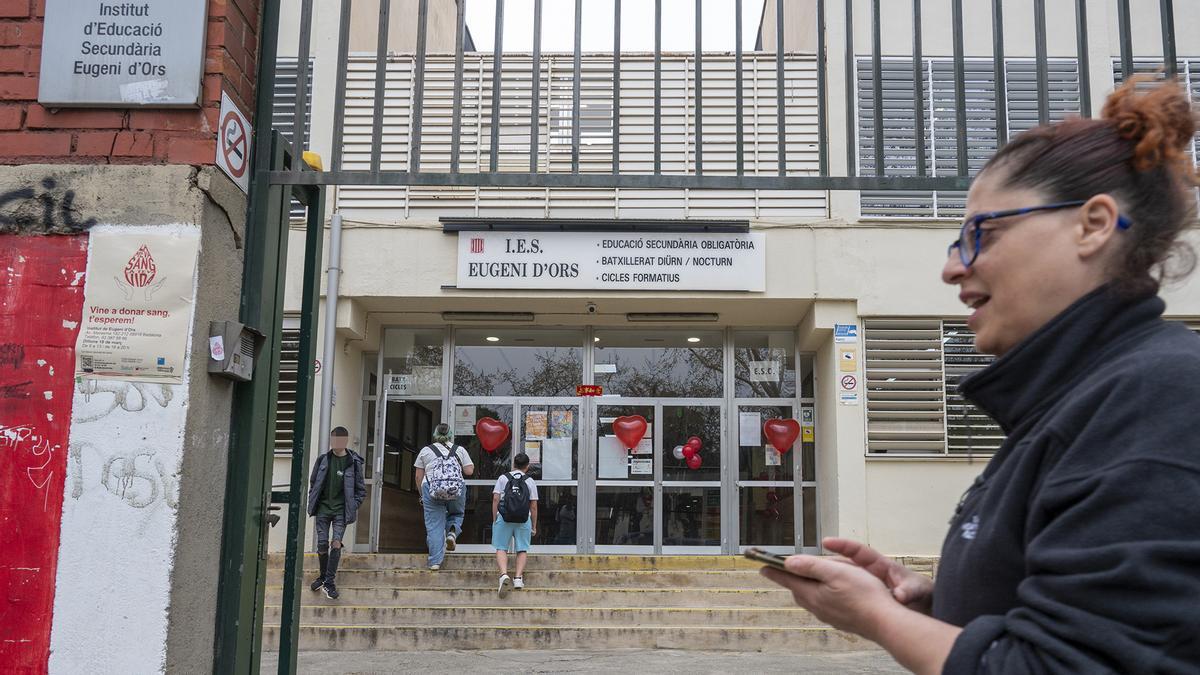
770	559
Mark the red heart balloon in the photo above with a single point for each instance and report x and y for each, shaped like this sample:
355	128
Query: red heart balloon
695	440
630	430
782	433
694	462
689	451
492	433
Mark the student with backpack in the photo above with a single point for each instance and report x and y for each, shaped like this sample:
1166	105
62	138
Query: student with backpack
514	517
440	469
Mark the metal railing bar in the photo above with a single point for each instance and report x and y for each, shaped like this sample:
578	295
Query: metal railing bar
497	68
877	85
822	93
339	97
1125	29
385	11
699	95
960	88
460	29
918	91
575	86
301	109
998	75
851	89
535	87
414	157
780	117
737	65
1081	40
1043	69
1166	12
657	87
625	180
616	78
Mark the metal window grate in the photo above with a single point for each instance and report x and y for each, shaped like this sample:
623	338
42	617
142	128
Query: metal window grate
554	149
940	124
283	110
913	367
285	403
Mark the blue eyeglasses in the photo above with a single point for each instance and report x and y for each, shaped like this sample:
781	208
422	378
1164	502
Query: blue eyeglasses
970	237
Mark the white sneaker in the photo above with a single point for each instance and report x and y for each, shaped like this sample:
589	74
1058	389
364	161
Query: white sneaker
434	568
518	583
450	541
506	585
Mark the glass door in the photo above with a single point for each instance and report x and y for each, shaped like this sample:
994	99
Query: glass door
625	500
549	432
691	492
476	534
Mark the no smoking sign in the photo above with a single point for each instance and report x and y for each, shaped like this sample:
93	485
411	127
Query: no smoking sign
233	143
849	383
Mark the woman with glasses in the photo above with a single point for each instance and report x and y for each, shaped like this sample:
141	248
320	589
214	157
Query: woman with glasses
1077	550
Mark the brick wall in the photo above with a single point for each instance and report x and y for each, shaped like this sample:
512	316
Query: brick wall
31	133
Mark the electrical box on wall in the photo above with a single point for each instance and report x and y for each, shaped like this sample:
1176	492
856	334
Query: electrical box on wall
232	349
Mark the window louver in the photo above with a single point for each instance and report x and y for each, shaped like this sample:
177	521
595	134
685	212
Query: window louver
285	403
555	84
283	109
913	368
899	123
1188	71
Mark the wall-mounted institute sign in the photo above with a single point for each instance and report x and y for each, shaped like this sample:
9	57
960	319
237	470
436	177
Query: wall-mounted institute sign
123	54
614	261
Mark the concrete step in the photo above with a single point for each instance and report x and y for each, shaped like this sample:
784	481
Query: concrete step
484	561
444	596
410	578
797	639
501	614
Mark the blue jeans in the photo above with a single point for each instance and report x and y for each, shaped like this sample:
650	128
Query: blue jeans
441	517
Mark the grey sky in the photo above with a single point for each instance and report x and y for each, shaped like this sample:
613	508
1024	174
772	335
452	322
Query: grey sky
637	25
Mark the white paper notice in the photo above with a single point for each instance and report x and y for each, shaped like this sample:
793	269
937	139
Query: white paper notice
556	459
137	309
641	466
613	459
216	347
534	450
464	420
773	456
749	428
644	447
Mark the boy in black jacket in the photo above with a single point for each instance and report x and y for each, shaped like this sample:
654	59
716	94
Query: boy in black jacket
336	490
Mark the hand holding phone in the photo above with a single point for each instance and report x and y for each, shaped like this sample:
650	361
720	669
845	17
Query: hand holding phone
775	560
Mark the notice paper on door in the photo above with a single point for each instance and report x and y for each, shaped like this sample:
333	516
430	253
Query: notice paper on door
556	459
749	428
613	459
773	456
533	449
535	424
641	466
464	420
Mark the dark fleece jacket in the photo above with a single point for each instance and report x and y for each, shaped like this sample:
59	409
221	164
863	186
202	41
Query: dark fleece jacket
1077	550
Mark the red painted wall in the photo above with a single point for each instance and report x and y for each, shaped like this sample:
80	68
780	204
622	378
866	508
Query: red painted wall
41	300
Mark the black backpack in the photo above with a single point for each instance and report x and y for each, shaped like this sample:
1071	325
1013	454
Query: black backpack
514	503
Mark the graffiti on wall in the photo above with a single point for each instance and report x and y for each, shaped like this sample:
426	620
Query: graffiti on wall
45	208
41	301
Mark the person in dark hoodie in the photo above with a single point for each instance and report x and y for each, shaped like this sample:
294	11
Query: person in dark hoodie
336	489
1077	550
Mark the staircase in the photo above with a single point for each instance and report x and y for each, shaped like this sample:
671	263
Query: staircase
390	602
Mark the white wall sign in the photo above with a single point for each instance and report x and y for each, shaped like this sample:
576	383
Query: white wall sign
399	385
123	54
765	371
615	261
233	143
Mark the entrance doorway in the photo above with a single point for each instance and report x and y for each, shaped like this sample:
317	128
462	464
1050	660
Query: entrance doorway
595	495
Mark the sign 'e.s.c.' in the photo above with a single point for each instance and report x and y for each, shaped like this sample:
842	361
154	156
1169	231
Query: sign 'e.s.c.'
233	143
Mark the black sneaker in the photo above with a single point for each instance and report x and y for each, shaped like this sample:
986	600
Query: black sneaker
331	591
318	583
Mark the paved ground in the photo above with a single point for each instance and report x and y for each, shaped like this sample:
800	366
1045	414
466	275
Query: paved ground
579	661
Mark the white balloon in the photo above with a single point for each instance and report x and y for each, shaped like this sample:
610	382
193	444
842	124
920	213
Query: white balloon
678	452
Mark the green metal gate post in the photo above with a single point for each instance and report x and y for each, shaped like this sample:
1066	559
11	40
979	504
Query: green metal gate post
243	548
293	571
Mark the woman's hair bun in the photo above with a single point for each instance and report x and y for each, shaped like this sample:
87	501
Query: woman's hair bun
1156	116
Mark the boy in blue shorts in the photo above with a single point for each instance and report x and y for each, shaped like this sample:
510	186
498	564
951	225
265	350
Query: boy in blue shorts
514	517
